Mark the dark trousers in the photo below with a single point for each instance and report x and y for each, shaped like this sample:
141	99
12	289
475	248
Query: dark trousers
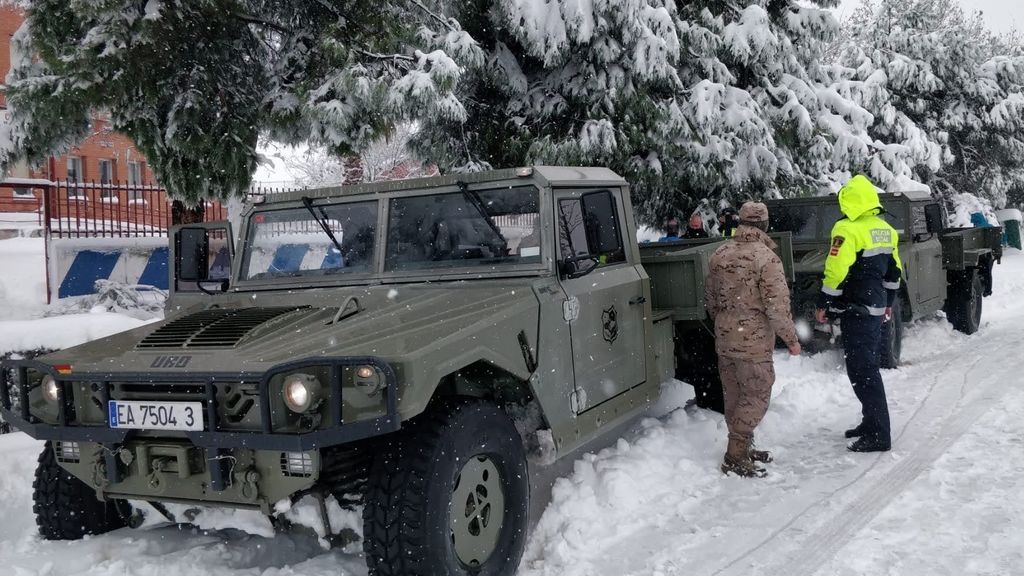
862	341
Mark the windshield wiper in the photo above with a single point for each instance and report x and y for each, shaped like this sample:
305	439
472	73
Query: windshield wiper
322	221
478	205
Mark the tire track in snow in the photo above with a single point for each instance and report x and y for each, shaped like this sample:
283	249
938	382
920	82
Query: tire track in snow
830	536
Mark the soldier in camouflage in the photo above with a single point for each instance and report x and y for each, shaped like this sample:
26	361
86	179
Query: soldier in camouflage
748	299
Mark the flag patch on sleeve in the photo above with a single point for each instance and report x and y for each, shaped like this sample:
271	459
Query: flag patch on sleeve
837	243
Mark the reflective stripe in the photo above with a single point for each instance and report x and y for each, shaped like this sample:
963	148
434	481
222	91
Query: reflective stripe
877	251
831	291
890	285
875	311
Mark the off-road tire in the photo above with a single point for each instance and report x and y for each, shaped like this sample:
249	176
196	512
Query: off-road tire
892	338
407	514
66	508
964	304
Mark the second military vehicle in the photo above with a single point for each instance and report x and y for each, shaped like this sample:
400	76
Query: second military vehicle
399	345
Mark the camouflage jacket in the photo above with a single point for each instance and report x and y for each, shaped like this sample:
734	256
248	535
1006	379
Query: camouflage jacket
747	297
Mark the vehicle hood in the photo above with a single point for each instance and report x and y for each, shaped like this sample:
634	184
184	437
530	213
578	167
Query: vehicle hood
859	197
250	334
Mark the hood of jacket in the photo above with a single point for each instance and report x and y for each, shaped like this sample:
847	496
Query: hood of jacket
858	198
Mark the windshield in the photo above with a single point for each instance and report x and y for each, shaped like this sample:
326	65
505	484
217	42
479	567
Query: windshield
290	242
464	229
806	222
803	220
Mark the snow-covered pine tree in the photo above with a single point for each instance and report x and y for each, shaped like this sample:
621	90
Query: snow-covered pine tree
695	101
944	91
194	84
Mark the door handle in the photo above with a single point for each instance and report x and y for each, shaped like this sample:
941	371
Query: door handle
638	300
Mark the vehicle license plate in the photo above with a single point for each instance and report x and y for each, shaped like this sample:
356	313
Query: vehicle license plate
137	415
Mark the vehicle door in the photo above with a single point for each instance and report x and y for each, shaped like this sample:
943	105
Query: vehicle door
930	284
604	295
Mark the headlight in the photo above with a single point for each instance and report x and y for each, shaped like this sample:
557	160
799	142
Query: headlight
368	380
51	390
301	392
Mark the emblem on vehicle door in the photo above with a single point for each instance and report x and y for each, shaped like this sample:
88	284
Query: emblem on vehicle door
571	309
610	319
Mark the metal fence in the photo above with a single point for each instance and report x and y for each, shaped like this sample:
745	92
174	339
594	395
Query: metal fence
95	210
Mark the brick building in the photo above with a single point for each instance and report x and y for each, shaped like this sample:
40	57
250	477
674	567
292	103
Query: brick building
105	157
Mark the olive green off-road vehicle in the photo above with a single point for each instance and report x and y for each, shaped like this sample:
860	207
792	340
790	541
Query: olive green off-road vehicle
404	346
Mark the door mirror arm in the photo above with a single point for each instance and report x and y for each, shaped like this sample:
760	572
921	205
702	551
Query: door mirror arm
570	266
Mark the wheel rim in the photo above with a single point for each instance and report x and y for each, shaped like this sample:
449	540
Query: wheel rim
477	511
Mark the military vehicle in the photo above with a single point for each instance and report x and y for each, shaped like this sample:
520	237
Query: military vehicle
948	269
401	345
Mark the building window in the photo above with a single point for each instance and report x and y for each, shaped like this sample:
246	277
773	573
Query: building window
107	192
75	177
74	169
106	172
135	173
134	180
24	193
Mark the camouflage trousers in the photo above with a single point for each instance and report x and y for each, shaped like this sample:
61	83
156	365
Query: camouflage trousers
748	389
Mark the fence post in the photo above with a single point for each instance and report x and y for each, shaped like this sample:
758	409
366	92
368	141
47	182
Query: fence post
46	237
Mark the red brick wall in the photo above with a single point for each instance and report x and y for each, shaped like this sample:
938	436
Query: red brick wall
10	20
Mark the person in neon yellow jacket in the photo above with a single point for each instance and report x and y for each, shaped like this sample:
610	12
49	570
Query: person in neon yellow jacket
862	279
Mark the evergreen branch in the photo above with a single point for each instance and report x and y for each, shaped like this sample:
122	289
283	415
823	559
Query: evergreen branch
267	23
392	57
444	22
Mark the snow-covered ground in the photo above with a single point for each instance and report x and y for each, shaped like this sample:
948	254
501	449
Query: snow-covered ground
23	309
946	500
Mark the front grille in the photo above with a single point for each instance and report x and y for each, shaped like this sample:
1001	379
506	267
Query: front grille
155	391
216	328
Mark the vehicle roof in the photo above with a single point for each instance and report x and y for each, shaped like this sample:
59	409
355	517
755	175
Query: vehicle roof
912	195
547	175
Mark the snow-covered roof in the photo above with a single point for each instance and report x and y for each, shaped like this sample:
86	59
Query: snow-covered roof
905	186
914	194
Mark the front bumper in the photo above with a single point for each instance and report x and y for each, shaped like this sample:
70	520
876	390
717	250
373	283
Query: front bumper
15	408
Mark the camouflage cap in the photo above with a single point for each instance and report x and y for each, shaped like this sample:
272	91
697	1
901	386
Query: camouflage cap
754	212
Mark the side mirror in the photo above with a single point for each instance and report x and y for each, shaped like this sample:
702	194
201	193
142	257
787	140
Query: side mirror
933	218
192	253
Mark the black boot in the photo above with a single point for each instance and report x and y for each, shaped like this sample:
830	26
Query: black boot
855	432
865	444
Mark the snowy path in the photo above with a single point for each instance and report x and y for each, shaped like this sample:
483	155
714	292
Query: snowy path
945	501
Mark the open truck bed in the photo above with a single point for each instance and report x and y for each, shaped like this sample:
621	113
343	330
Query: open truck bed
677	271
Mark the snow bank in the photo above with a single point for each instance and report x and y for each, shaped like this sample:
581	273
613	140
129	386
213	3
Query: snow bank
62	331
22	277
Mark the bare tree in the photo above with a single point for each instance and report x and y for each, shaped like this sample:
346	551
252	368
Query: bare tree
386	159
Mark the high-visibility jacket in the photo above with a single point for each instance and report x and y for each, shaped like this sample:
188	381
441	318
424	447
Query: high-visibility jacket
863	271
